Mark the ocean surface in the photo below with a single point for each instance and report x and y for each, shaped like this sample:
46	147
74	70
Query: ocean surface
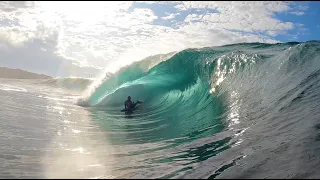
247	110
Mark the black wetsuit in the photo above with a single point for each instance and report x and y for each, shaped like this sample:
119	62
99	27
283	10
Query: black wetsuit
129	104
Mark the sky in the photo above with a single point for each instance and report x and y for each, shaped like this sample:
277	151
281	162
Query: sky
64	39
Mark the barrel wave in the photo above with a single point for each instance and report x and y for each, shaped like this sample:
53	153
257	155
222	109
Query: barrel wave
214	99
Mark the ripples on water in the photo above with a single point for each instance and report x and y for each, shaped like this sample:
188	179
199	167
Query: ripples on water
47	136
44	135
260	123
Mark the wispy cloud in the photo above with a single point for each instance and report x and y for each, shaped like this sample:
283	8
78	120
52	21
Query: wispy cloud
170	16
299	13
72	38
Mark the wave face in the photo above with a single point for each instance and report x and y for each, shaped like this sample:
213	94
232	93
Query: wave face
191	75
195	85
198	93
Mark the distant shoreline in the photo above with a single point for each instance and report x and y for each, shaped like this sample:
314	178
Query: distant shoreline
20	74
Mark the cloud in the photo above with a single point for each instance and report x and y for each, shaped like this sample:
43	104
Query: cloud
299	9
170	16
71	39
242	16
33	47
298	13
302	7
42	60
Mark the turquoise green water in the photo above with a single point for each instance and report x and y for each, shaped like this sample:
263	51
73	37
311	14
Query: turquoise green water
204	100
235	111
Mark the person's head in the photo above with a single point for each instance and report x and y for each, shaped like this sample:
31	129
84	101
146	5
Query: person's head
129	98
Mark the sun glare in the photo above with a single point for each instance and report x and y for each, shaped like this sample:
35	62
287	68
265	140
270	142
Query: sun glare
87	12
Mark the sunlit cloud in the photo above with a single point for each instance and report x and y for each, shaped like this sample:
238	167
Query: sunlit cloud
82	38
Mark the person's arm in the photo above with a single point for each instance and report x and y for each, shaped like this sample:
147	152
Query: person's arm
133	105
125	105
